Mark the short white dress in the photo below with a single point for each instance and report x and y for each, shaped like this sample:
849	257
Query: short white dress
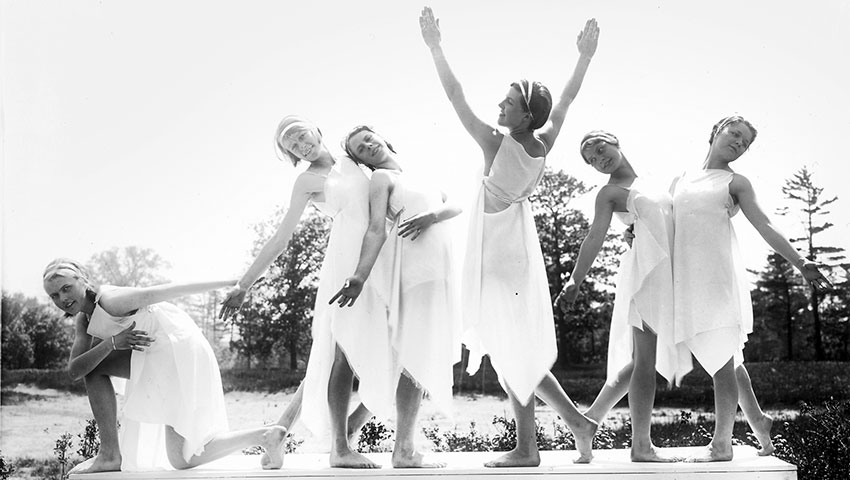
174	382
507	308
361	331
424	314
713	309
644	293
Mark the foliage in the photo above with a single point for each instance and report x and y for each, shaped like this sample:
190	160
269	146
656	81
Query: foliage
375	437
277	313
818	442
779	312
128	267
63	445
6	469
583	333
34	335
89	440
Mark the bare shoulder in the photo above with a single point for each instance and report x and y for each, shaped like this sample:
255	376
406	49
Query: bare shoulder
740	184
309	182
383	178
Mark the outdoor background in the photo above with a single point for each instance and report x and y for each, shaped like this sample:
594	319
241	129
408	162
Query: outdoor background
137	138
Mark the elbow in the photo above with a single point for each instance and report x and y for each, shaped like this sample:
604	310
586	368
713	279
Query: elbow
75	372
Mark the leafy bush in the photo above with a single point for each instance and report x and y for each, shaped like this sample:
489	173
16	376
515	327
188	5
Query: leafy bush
375	437
5	468
818	442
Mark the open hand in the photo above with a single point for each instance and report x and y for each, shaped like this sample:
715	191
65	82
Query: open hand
567	297
349	292
430	28
415	225
232	302
130	339
811	272
588	38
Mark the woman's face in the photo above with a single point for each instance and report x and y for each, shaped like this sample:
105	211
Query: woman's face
67	293
732	141
512	111
603	156
369	147
306	144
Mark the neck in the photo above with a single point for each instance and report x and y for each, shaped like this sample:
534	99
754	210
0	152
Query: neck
325	159
714	161
624	175
389	164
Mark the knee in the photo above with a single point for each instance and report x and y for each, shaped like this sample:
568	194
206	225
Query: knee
178	462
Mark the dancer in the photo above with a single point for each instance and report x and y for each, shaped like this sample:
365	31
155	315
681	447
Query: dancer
713	310
506	295
424	312
174	404
641	335
344	342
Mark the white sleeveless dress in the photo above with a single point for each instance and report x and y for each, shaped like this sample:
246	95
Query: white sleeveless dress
361	331
424	315
507	307
713	309
644	293
175	382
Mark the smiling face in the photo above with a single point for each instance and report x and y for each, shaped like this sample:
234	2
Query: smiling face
512	110
369	148
67	293
603	156
732	141
303	142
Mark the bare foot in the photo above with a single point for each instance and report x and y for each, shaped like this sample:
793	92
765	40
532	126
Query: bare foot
99	463
515	458
273	444
351	459
712	453
584	440
413	460
654	454
761	429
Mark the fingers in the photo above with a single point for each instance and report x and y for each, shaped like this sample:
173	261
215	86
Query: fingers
337	295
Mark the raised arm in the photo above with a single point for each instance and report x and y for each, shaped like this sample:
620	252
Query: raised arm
742	191
305	187
586	42
380	188
480	131
417	224
590	246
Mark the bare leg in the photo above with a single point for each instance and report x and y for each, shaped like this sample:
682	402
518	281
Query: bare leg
339	394
583	428
725	405
610	395
356	420
105	410
760	422
293	410
525	454
270	438
642	397
408	399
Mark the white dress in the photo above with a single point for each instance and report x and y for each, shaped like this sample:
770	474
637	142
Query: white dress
713	310
361	331
424	315
644	292
507	309
173	382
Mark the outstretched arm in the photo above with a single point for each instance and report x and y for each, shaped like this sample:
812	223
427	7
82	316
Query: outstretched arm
587	40
590	246
305	186
123	300
742	191
376	234
480	131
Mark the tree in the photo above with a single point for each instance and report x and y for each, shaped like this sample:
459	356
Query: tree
34	335
128	267
582	334
801	188
279	309
779	305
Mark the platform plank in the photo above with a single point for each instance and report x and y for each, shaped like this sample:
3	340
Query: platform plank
607	464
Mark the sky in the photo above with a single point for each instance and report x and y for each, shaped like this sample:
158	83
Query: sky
151	123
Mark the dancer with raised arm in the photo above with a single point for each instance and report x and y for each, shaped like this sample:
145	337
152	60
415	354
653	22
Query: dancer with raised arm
713	310
424	315
344	342
506	301
173	411
641	335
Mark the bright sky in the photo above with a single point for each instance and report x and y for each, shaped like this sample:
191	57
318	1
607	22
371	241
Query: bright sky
150	122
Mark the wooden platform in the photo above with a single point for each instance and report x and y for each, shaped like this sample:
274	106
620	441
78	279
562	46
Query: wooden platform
607	464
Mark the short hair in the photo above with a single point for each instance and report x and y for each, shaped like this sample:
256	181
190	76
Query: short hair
540	104
595	136
354	131
725	122
290	124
